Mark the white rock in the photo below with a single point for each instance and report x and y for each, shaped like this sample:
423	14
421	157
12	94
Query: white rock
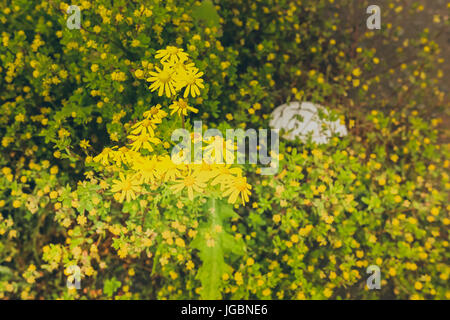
287	117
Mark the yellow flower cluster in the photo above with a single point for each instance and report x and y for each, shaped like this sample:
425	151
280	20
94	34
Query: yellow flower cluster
176	73
145	164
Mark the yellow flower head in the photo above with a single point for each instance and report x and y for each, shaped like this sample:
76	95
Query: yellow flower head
194	181
163	81
181	107
171	55
191	79
238	187
125	187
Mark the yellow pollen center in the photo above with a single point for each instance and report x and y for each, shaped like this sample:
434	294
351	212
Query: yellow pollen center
126	186
164	76
182	104
189	181
190	79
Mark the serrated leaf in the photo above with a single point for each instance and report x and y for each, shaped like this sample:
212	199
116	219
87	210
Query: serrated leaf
214	243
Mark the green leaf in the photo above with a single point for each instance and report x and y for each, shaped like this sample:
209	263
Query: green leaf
214	243
110	286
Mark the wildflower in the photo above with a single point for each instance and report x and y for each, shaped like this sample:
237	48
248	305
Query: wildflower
84	144
327	292
190	265
192	182
105	155
357	72
181	107
266	292
238	278
239	186
224	174
168	169
217	148
171	55
155	113
139	73
125	187
146	126
163	81
143	141
418	285
146	168
192	81
81	219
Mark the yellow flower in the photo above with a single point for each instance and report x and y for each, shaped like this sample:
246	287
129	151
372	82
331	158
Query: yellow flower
168	169
139	73
238	186
357	72
276	218
223	174
104	156
146	126
219	150
171	55
81	219
163	81
125	187
84	144
327	292
266	292
119	17
192	182
143	141
238	278
394	158
418	285
435	211
192	81
146	168
180	242
155	113
181	107
190	265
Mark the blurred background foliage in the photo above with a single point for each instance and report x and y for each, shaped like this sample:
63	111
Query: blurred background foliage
378	196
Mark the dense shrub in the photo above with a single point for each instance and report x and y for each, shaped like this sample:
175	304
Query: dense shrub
377	196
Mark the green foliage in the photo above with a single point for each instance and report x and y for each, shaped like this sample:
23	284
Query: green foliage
378	196
215	243
207	12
